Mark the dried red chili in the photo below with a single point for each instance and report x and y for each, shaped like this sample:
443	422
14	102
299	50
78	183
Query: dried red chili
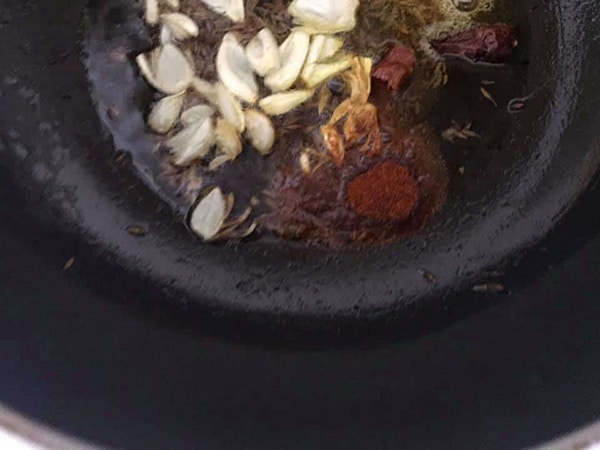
488	43
396	67
386	191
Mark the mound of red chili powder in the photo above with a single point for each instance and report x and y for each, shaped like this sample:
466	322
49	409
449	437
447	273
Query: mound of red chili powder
386	191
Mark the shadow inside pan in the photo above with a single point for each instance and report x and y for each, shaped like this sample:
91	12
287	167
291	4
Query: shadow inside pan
518	182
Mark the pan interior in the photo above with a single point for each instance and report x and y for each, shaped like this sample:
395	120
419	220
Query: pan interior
518	180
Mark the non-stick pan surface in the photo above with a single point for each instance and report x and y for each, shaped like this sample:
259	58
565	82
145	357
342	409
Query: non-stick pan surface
115	346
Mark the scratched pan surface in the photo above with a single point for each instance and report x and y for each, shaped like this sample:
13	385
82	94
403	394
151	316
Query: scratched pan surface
67	181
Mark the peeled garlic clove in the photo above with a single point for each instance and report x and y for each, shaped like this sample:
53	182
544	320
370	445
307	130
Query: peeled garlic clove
316	46
229	107
165	36
152	13
228	139
260	131
316	52
331	46
293	53
318	73
173	72
173	3
278	104
145	69
234	9
192	142
263	53
182	27
205	88
234	70
165	113
196	114
218	161
208	216
326	16
220	97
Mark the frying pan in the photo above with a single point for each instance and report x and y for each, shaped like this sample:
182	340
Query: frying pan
157	341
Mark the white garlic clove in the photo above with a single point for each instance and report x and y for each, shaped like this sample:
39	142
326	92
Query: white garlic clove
322	47
234	9
146	69
191	143
173	72
234	70
181	27
165	113
196	114
152	12
260	131
165	36
173	3
229	107
228	139
284	102
263	53
293	52
219	96
316	74
218	161
205	88
316	46
331	46
208	216
325	16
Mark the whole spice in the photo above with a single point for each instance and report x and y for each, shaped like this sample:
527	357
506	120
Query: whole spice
387	191
397	67
488	43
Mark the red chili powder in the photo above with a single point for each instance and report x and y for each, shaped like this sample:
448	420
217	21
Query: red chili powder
387	191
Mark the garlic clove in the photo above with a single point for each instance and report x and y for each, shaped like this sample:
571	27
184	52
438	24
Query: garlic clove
316	46
165	37
152	12
173	72
322	47
284	102
220	97
293	52
146	69
234	70
165	113
218	161
228	139
180	26
173	3
196	114
191	143
331	46
326	16
260	131
208	216
316	74
234	9
263	53
229	107
205	88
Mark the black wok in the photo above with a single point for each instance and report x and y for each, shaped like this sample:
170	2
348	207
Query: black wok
159	342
